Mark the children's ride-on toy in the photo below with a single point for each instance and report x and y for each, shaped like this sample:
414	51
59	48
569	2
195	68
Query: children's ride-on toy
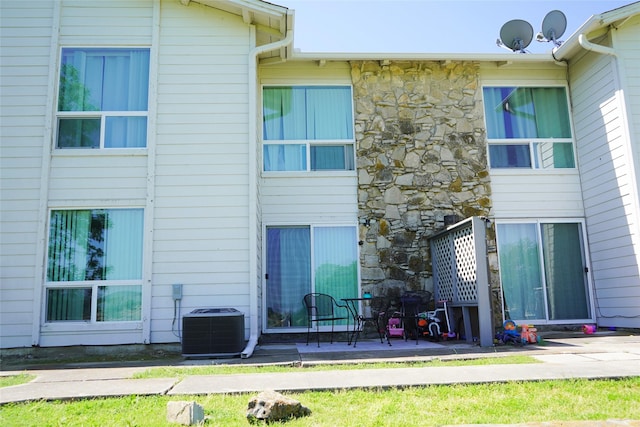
430	321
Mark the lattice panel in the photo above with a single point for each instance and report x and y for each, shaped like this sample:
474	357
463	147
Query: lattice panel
465	250
454	266
442	255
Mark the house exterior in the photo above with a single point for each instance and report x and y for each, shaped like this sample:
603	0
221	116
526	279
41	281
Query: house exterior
160	156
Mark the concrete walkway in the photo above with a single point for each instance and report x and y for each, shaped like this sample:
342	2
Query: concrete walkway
595	356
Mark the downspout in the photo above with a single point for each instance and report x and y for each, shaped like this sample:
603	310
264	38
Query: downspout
253	231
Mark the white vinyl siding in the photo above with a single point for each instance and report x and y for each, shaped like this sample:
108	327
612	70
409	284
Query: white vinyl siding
91	178
518	194
609	192
306	72
202	164
24	66
117	22
513	74
318	199
627	43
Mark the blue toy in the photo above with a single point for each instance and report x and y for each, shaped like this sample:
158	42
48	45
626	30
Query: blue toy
510	335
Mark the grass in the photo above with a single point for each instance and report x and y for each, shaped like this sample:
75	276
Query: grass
181	372
9	380
514	402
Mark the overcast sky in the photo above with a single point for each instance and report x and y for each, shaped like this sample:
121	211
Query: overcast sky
427	26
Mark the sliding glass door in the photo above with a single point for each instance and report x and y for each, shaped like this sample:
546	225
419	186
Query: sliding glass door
304	259
543	271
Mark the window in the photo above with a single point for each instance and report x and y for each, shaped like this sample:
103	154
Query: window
528	127
308	128
102	100
303	259
542	271
94	255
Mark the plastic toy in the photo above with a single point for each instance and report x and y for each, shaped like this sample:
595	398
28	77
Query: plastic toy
394	327
510	335
528	334
429	323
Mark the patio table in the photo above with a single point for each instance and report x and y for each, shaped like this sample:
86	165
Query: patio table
359	320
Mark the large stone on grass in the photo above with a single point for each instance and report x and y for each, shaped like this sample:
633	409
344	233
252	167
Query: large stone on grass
271	406
185	413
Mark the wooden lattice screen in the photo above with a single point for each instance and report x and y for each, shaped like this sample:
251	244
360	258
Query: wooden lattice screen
454	262
460	273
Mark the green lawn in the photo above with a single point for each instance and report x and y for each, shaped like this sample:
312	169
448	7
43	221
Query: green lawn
183	371
515	402
9	380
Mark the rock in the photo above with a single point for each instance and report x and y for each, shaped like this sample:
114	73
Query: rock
421	154
272	406
185	413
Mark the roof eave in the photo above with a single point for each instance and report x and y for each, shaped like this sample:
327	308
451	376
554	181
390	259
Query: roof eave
252	11
597	22
381	56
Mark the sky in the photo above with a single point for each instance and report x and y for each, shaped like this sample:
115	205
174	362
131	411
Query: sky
427	26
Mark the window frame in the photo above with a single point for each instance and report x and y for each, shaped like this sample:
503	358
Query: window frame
538	223
311	227
535	160
102	115
308	143
92	285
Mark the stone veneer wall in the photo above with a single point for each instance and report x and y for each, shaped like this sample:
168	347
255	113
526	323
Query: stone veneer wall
421	153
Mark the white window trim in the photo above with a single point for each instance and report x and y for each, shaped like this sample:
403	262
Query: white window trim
307	142
94	285
532	153
92	324
97	114
531	141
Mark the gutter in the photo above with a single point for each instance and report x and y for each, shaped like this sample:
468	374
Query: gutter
394	56
615	18
597	48
253	191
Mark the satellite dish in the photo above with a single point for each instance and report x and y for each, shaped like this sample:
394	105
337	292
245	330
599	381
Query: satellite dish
516	35
554	26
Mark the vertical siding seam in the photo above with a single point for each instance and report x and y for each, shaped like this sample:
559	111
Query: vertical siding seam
149	210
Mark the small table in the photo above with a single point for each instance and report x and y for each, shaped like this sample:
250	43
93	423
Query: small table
359	320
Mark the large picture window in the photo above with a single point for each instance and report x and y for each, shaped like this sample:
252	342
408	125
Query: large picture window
94	265
307	128
303	259
542	271
102	98
528	127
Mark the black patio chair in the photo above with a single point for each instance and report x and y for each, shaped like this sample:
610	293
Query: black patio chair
324	308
